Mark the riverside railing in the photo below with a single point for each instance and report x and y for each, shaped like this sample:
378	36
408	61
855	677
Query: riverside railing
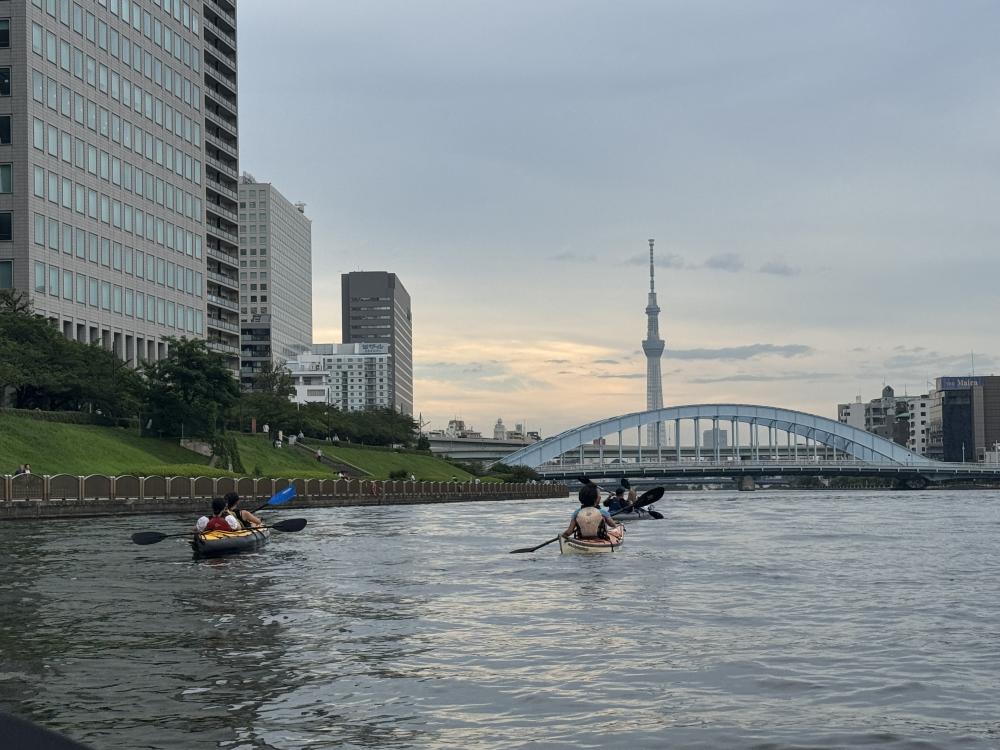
67	488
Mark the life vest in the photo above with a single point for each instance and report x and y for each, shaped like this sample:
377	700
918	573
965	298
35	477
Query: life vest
218	523
238	515
590	524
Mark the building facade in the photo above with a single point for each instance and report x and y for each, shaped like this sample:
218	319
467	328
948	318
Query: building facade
351	377
275	275
102	169
376	309
221	145
964	418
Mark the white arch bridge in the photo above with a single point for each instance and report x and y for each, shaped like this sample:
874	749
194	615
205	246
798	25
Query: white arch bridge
746	441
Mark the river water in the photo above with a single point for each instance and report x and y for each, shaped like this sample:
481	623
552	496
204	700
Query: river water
766	619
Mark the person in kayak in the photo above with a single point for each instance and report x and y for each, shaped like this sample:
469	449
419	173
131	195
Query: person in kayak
220	519
590	521
616	503
245	518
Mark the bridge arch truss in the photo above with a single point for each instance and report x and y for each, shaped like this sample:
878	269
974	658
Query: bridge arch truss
816	431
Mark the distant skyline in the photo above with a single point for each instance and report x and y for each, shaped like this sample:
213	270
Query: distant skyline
820	179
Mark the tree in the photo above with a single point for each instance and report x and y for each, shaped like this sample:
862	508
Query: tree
274	380
189	390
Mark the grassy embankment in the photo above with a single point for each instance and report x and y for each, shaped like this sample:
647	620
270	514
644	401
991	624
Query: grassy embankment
58	448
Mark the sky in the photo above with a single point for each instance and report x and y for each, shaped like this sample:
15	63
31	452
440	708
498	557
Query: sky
821	180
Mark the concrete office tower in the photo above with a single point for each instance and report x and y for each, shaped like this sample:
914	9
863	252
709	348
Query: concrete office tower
376	309
275	277
221	144
101	169
653	347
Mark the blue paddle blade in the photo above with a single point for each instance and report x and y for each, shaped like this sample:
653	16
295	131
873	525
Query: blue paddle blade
280	498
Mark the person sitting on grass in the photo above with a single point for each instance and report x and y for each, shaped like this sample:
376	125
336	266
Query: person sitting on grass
590	521
247	520
220	519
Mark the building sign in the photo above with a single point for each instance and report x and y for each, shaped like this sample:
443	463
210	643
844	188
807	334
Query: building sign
373	348
958	384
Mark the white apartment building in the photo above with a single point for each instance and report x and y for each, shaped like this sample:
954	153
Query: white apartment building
852	414
351	377
917	411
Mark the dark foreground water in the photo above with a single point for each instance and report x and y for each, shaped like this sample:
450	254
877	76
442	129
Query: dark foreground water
772	620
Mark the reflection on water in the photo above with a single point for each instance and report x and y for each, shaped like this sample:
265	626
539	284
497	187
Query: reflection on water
778	620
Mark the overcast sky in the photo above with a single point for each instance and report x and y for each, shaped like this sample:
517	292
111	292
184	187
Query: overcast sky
822	180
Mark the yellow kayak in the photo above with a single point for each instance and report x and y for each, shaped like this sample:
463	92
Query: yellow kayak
224	542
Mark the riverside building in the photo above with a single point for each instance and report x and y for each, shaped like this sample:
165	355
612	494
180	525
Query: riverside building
351	377
376	310
103	168
275	278
221	144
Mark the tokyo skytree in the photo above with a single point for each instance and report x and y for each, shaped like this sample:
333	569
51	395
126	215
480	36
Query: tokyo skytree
653	345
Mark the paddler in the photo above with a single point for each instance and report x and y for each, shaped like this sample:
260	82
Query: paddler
590	521
245	518
220	519
618	502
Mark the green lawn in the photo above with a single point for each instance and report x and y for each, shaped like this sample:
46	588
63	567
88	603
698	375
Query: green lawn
57	448
380	463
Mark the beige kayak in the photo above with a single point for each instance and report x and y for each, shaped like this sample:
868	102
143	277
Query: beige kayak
570	546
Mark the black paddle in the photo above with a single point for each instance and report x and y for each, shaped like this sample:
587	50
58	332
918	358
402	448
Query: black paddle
655	514
650	496
152	537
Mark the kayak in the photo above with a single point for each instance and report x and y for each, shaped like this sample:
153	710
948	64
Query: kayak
211	543
572	546
639	514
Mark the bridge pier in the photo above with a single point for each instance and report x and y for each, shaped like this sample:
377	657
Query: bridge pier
912	483
746	483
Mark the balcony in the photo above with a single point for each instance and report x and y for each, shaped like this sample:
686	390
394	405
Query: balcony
220	54
219	210
222	166
228	281
221	78
223	257
223	35
222	325
222	302
222	347
220	10
214	184
226	125
227	103
226	235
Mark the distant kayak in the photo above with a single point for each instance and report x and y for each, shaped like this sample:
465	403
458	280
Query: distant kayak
211	543
639	514
571	546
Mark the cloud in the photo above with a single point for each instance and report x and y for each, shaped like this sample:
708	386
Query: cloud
605	361
616	375
937	363
730	262
667	260
766	377
779	268
573	257
557	361
742	352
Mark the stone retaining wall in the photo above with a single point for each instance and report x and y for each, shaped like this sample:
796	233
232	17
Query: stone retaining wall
68	496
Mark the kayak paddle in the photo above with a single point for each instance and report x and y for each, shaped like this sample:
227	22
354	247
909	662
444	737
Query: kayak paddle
278	498
650	496
152	537
627	485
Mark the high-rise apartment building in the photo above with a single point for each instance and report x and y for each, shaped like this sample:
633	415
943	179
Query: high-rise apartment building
352	377
103	168
221	173
376	309
275	277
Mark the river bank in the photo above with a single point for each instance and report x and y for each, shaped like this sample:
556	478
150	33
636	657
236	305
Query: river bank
66	496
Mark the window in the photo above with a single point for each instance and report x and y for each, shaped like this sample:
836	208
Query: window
6	184
39	276
6	227
4	129
4	32
6	274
